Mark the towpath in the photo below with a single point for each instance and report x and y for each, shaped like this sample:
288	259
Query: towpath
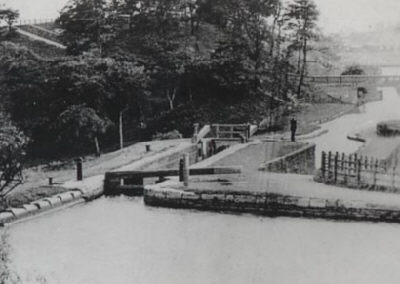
42	39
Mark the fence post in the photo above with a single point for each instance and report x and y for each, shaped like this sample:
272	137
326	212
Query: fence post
358	172
336	167
356	167
329	164
375	172
342	163
394	177
323	165
345	168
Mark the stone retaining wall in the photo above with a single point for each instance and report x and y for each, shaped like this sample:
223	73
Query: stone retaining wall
270	204
301	161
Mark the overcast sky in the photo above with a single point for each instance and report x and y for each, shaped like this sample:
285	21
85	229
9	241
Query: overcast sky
336	15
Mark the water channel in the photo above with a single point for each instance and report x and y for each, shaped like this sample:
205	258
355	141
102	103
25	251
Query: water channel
119	240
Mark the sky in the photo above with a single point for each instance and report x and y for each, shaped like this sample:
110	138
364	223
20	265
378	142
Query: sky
335	15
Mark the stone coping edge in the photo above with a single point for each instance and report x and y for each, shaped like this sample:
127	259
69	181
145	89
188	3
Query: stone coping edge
271	204
39	207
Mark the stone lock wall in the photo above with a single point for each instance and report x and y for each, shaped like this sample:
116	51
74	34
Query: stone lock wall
301	161
271	204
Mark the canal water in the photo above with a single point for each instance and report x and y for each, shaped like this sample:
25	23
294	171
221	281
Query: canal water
369	116
119	240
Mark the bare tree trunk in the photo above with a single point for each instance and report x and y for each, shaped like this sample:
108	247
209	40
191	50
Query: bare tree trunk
121	130
171	98
96	143
303	68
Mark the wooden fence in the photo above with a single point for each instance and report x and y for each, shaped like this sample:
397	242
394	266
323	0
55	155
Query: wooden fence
231	131
358	171
23	22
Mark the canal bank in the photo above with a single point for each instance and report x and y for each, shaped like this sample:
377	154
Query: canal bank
91	188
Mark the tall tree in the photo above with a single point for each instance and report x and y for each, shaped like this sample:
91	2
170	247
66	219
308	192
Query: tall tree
8	16
303	24
82	124
85	25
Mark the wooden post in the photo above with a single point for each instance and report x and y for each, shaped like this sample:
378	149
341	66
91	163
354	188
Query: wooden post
375	172
342	163
350	167
323	165
345	169
148	149
181	167
336	167
358	172
186	170
217	130
356	166
79	170
393	177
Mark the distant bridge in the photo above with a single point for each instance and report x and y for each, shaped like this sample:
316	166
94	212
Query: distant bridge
351	80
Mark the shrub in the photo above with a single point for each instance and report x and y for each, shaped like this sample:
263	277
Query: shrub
12	154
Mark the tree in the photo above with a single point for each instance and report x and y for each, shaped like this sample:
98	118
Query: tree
246	36
12	154
9	16
81	124
85	25
127	89
303	16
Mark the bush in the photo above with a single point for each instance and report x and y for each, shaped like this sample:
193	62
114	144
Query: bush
12	154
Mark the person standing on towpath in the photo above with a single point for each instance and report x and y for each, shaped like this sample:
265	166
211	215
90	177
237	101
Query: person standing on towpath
293	128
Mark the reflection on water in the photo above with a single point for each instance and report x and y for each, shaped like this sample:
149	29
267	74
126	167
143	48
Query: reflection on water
121	241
